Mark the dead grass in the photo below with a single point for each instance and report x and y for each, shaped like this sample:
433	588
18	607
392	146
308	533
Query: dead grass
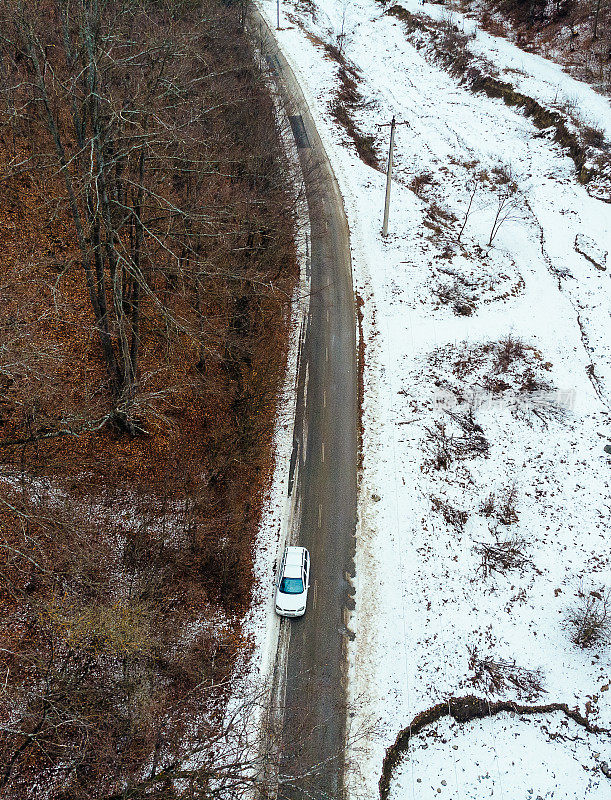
347	101
455	517
507	552
497	675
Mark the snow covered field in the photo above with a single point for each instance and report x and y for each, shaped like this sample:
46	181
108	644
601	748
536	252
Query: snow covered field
487	399
532	758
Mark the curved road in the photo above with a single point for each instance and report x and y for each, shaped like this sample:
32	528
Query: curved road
310	666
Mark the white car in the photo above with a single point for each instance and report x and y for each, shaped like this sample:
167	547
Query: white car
293	582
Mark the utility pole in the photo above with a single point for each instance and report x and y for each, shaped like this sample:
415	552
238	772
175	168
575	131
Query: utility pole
277	15
393	124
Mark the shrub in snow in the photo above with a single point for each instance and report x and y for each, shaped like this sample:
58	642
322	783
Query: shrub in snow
589	620
502	506
446	447
421	182
495	675
455	517
456	296
506	552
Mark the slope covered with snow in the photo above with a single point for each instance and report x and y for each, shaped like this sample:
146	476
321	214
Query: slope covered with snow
487	398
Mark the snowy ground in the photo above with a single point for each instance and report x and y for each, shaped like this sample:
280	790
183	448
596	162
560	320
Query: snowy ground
488	368
529	73
497	759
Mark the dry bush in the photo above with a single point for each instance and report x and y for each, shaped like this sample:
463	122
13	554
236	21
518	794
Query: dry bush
507	352
488	505
502	506
506	512
496	675
451	44
440	445
508	364
468	362
594	137
437	213
507	552
454	295
530	383
421	182
473	442
590	619
455	517
445	447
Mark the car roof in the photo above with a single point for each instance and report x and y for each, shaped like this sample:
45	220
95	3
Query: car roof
293	562
294	555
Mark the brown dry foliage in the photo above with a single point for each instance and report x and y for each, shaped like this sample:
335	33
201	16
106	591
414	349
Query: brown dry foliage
126	561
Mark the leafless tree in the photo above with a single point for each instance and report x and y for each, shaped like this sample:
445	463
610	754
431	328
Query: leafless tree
127	118
472	193
122	580
506	207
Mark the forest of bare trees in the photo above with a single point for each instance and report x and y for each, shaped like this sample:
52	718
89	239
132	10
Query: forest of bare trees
147	242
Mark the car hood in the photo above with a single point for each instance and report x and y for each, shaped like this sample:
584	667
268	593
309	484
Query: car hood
290	602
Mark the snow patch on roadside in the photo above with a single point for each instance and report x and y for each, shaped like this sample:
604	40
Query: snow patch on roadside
530	73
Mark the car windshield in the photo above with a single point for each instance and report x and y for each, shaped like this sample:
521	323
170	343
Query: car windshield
291	585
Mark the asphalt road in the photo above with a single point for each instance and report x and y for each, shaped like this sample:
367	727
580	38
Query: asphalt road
324	466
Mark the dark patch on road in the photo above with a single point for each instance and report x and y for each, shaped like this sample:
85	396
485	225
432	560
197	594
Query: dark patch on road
299	131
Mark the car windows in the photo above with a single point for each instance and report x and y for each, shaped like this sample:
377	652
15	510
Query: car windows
291	586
